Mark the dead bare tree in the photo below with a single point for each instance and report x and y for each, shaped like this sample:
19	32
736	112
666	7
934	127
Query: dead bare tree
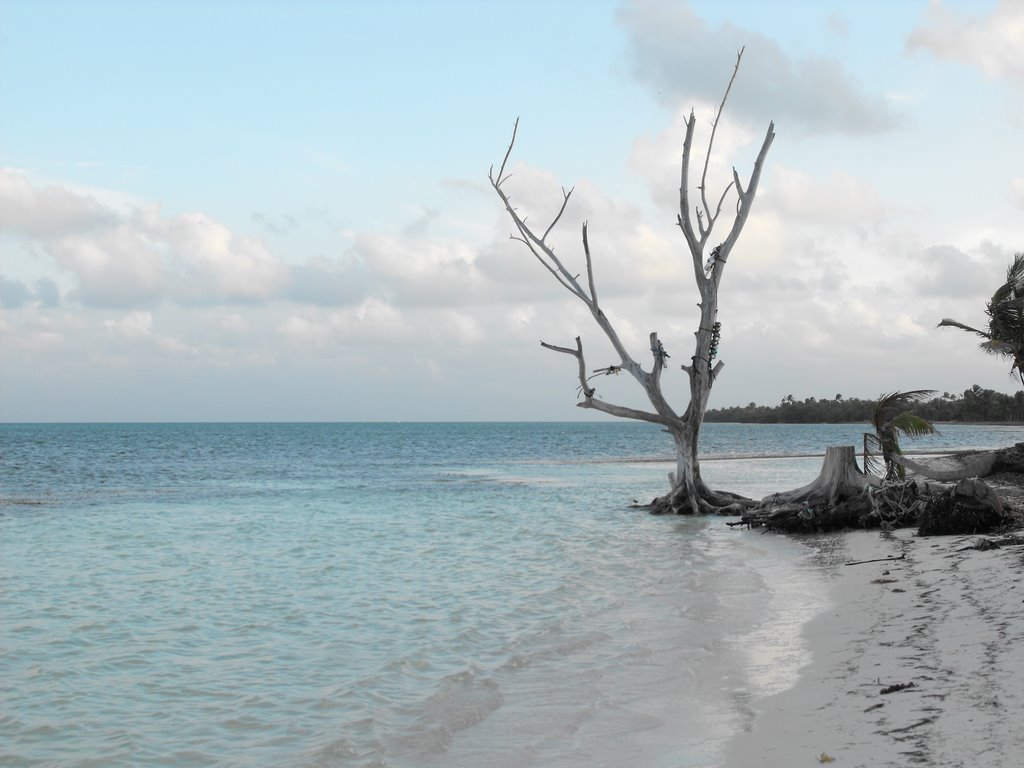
697	220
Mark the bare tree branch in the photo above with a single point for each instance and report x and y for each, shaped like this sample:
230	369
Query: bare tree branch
588	392
718	210
578	354
624	412
501	170
590	267
738	183
711	141
683	219
546	256
541	251
689	491
565	202
745	200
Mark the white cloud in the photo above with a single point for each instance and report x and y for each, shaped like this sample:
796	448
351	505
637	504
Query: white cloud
169	345
371	322
838	200
329	282
304	330
816	93
234	323
135	325
217	263
461	327
419	271
992	42
139	257
944	270
1017	191
115	267
47	211
657	158
521	316
374	320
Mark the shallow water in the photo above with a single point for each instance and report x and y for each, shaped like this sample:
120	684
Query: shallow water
403	595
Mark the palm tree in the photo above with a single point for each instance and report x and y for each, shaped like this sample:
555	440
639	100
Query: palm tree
1005	310
890	419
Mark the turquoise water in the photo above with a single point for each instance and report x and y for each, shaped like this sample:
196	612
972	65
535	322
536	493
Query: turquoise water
391	594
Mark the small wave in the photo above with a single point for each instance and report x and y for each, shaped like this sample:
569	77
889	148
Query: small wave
338	752
474	478
465	699
559	649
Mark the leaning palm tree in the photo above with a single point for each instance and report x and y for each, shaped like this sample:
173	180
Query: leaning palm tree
1005	310
891	419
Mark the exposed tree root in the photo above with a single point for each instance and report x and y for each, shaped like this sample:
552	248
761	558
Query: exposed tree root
704	501
843	497
895	505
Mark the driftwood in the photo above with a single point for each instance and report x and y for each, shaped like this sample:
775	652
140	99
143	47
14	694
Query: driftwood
896	688
878	560
983	545
977	465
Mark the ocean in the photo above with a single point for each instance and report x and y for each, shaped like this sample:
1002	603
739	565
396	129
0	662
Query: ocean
395	594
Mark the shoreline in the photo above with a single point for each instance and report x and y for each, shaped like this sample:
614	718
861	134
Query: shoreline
945	621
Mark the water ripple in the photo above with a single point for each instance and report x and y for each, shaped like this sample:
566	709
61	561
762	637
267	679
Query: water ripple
367	595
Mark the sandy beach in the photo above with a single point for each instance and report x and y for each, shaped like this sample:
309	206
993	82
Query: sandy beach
918	660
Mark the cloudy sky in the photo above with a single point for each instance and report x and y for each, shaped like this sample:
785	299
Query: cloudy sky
280	211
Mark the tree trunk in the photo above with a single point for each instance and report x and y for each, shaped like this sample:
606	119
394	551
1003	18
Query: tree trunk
689	495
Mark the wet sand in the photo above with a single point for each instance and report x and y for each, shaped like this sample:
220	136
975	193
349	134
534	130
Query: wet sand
942	630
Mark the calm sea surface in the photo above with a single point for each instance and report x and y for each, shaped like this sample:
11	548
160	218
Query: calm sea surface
393	594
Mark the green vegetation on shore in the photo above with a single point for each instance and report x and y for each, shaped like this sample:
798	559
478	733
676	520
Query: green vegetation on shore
975	404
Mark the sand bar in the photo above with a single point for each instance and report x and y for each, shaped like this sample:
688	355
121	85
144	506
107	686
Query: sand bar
944	621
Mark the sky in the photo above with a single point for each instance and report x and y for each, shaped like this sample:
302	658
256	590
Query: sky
266	211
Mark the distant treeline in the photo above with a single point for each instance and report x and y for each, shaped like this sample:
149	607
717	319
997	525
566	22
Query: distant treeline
975	404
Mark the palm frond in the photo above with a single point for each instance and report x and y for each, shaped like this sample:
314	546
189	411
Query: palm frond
996	347
897	400
1005	310
912	425
1015	274
913	395
949	323
1014	285
872	455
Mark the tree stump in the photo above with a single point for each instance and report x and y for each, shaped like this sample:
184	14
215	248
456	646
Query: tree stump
839	478
838	498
